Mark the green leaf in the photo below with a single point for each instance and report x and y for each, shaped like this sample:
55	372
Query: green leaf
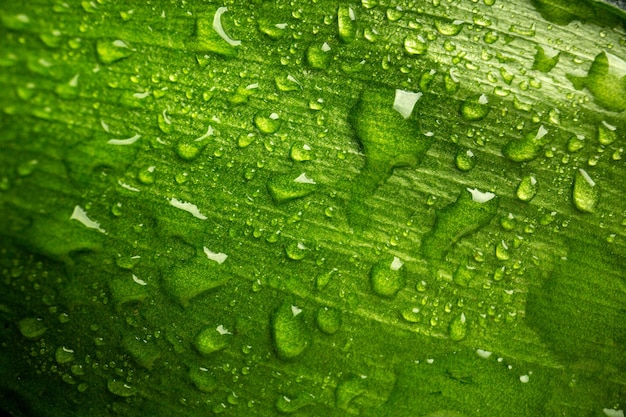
380	208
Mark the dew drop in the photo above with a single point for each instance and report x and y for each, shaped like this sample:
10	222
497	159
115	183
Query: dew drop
527	188
110	51
528	147
465	160
212	339
319	56
328	320
415	45
31	328
289	332
346	20
475	108
546	58
119	388
288	187
458	327
387	277
203	379
585	192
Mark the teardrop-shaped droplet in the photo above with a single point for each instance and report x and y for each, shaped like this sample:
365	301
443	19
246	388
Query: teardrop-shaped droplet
289	331
585	193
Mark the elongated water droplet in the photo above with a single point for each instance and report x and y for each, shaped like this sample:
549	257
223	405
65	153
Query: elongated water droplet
387	277
120	388
607	133
471	211
346	20
289	331
211	34
388	139
585	192
458	327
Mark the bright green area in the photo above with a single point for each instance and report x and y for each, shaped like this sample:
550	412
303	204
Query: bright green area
249	208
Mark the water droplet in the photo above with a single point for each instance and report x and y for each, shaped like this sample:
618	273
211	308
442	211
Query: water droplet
63	355
289	332
322	280
546	58
606	80
470	212
188	280
464	275
319	56
119	388
272	29
411	314
576	143
328	320
26	168
502	251
465	160
585	192
415	44
212	339
448	27
146	175
347	390
288	187
267	123
301	151
606	133
388	139
110	51
296	251
387	277
458	327
211	34
203	379
475	108
528	147
346	20
31	328
288	405
527	188
187	151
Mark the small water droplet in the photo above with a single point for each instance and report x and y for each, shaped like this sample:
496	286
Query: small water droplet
328	320
465	160
296	251
387	277
527	188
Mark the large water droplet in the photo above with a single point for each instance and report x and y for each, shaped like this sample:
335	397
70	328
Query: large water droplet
212	339
110	51
187	281
606	80
471	211
346	20
211	34
415	44
585	193
319	56
528	147
289	331
31	328
267	123
387	277
203	379
475	108
63	355
449	27
289	187
546	58
607	133
120	388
